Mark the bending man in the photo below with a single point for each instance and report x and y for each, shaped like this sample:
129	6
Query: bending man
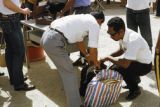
67	32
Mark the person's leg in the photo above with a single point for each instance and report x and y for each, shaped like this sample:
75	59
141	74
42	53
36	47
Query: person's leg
14	50
131	75
130	80
54	46
131	20
145	26
69	79
158	8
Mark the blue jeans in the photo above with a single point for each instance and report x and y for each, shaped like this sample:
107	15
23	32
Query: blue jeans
15	50
141	19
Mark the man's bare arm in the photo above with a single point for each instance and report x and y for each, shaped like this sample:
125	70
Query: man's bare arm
67	7
10	5
120	62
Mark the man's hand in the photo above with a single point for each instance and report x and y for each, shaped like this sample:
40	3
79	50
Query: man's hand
91	61
104	59
13	7
88	58
97	64
26	11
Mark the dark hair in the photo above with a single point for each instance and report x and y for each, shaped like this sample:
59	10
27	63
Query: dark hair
98	15
117	23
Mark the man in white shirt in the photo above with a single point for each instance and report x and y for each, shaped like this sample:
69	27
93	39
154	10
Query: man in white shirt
137	57
138	16
70	31
78	7
15	51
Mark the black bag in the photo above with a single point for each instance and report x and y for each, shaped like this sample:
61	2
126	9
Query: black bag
87	73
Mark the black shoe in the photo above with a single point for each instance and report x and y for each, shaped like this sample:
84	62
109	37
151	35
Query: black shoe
25	87
79	62
1	73
133	94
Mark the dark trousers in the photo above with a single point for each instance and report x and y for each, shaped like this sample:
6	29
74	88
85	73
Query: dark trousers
158	8
56	7
82	10
141	19
15	50
133	72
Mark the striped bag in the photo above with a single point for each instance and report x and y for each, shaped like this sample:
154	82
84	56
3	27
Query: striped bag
104	89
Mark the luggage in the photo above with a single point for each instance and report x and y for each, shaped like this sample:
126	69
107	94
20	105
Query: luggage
87	73
104	89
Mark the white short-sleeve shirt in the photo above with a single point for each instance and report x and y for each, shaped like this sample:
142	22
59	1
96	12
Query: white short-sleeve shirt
75	28
4	10
135	47
138	4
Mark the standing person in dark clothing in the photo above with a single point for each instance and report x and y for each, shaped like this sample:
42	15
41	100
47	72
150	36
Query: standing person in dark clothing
138	16
158	8
15	51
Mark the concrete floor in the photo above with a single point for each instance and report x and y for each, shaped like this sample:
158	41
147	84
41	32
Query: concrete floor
49	90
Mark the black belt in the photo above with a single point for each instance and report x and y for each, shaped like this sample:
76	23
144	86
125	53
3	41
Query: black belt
81	7
2	16
58	32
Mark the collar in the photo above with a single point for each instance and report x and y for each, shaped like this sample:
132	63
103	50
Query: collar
126	35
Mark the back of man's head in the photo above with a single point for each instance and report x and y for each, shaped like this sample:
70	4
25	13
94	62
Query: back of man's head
117	23
98	15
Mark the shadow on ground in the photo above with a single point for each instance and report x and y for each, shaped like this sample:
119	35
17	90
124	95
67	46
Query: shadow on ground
146	99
